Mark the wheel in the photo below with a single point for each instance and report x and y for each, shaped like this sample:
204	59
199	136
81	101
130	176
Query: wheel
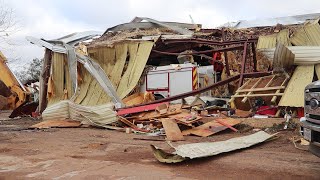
158	96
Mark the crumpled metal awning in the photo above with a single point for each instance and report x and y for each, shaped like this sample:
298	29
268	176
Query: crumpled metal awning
65	45
136	23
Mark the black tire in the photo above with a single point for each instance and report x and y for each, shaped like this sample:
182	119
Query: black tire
314	149
158	96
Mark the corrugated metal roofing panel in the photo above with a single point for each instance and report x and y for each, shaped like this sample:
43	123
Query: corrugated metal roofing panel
303	54
313	33
298	19
283	37
270	41
204	149
267	41
300	38
309	35
294	94
283	58
94	115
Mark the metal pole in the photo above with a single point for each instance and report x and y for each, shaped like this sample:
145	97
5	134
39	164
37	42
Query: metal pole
243	64
254	57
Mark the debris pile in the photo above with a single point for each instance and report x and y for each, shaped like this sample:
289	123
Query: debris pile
179	120
137	78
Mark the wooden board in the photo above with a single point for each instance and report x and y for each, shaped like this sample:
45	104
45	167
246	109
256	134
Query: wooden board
182	118
56	123
134	99
211	127
172	130
173	109
130	124
294	94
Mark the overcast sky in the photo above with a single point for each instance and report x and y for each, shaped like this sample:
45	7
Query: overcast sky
50	19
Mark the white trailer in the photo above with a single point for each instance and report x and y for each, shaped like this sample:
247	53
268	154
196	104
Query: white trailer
166	81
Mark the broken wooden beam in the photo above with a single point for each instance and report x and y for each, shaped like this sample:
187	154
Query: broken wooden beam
172	130
257	95
262	89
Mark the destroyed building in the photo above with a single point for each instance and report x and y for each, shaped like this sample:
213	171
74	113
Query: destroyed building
104	81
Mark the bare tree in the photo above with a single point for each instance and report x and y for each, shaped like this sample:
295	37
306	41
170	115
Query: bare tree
8	22
31	71
8	26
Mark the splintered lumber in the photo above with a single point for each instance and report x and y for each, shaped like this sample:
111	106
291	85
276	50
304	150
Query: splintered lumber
130	124
57	123
172	110
172	130
134	99
138	98
162	109
186	118
294	94
258	95
211	127
44	77
262	89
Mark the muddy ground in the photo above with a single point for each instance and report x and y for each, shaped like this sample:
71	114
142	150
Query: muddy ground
91	153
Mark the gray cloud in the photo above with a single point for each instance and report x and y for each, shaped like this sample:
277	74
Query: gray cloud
50	19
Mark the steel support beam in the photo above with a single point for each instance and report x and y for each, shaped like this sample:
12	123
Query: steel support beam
254	57
204	89
209	42
201	52
226	54
243	64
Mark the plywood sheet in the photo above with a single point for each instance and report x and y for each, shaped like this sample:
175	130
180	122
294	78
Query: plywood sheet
186	118
172	130
56	123
211	127
294	93
172	111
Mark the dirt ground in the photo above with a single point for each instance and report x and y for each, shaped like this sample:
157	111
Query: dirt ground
91	153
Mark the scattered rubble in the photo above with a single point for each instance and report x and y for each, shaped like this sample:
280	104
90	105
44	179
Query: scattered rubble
137	78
